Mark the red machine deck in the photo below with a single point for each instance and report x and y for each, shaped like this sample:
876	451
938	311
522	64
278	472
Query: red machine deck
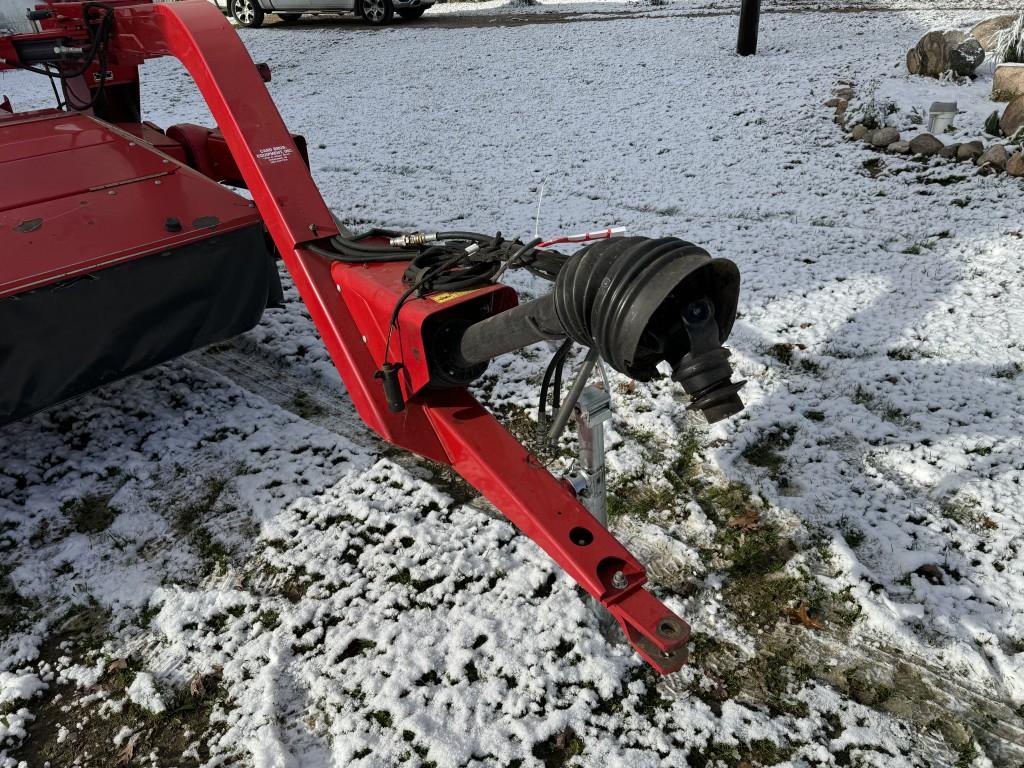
69	178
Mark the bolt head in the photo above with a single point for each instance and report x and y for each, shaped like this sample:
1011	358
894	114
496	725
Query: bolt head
619	580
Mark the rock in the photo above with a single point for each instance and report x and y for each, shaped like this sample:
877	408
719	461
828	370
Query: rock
931	573
931	56
1015	165
1008	82
992	125
966	57
1013	117
858	132
925	144
985	32
949	150
914	65
883	137
993	157
899	148
972	150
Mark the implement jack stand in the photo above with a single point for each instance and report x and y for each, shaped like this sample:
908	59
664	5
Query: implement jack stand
592	410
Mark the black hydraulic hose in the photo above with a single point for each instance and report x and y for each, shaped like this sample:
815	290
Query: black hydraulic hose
365	257
519	254
351	249
553	371
474	236
99	38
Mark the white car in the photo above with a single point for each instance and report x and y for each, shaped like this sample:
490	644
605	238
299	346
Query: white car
251	13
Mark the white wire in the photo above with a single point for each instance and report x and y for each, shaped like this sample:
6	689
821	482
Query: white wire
536	220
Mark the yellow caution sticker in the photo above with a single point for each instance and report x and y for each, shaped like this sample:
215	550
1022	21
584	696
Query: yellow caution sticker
445	297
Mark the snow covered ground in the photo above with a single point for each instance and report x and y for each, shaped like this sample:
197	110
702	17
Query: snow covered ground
191	574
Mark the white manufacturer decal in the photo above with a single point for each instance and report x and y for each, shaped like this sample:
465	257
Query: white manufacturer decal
276	154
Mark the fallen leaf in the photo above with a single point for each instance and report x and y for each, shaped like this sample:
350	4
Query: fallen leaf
195	685
799	615
125	755
746	521
117	664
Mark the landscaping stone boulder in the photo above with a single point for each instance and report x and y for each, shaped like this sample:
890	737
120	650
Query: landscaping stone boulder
985	32
858	132
941	51
883	137
993	157
1008	82
899	148
949	151
925	144
1013	117
966	58
971	150
1015	165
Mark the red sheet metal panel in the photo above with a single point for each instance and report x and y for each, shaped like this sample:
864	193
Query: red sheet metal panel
79	195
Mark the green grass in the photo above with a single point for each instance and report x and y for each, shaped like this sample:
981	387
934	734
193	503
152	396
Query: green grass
766	451
1011	371
212	552
559	749
90	514
304	406
878	405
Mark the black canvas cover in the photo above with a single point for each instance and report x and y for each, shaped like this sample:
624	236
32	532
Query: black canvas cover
61	340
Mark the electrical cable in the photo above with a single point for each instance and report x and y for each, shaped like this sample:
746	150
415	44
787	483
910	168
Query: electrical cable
521	253
421	280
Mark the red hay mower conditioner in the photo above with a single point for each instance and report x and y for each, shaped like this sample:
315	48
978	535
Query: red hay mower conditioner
121	248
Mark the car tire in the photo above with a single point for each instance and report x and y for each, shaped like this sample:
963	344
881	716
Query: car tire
247	13
411	14
289	17
377	13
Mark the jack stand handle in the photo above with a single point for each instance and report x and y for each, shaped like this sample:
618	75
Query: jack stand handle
566	411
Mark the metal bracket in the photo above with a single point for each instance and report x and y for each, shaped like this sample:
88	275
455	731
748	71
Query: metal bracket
593	409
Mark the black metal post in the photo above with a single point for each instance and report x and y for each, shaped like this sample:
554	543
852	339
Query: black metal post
750	15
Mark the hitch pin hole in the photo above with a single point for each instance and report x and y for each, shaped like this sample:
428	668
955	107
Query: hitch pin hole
668	629
581	537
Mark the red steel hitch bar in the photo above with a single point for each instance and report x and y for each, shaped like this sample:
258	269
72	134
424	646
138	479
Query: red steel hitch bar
97	49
